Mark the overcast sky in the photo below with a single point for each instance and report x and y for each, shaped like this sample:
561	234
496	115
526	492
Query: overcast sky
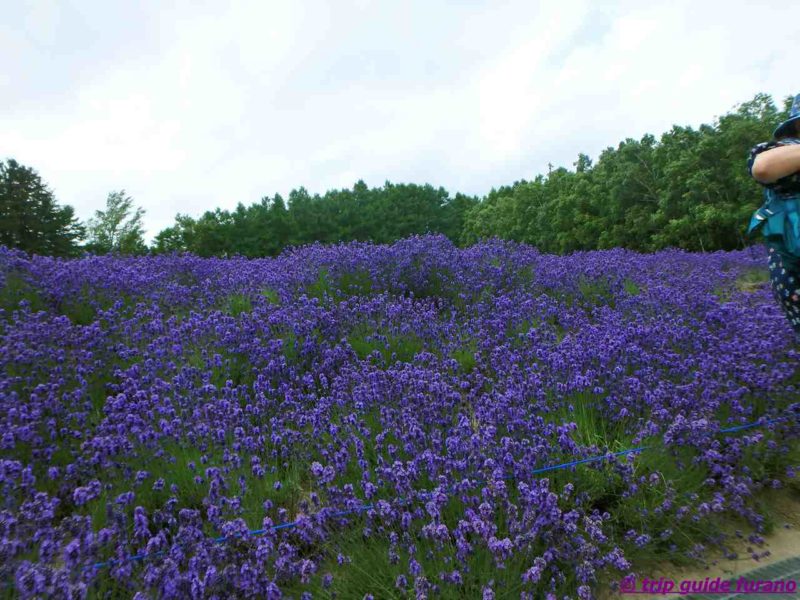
204	105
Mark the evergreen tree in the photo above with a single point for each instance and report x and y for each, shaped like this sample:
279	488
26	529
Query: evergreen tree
30	218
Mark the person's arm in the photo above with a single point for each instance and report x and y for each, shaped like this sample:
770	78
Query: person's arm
775	163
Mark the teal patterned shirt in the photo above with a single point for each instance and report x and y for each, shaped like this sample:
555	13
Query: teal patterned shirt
782	189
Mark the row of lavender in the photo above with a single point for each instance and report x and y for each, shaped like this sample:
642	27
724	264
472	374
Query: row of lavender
151	405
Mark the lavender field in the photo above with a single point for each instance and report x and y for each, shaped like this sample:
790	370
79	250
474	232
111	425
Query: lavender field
360	420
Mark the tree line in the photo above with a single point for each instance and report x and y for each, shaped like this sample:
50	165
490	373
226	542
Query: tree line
689	189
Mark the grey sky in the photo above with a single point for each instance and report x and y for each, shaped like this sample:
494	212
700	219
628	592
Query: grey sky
203	105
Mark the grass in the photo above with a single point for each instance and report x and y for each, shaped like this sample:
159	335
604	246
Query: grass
596	291
81	309
593	427
752	279
236	304
749	280
631	287
271	295
372	570
15	291
321	287
515	333
677	471
465	356
234	367
392	348
355	283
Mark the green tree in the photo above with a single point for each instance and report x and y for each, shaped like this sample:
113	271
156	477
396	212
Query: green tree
177	238
280	224
30	218
689	190
453	217
118	228
309	222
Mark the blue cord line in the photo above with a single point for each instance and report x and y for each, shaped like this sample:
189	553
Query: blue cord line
640	448
364	507
748	425
586	460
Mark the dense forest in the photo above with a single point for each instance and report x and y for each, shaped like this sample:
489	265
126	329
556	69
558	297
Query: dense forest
689	189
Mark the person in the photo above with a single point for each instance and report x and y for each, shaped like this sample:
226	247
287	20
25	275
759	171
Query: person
776	166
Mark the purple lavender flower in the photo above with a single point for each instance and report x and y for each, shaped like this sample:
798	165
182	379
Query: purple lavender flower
435	395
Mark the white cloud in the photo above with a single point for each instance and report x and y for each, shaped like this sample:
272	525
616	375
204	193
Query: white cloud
190	108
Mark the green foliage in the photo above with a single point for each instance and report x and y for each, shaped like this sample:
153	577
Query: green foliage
690	189
687	189
596	291
363	346
236	304
271	296
381	215
514	332
465	355
339	286
749	280
321	287
402	348
178	238
79	312
82	308
291	346
15	291
631	287
752	279
593	428
118	228
233	367
30	218
355	283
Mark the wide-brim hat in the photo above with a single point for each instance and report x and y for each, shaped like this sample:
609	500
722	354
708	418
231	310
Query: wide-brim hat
787	127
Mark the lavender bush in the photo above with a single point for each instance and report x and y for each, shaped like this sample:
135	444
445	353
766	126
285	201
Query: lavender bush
163	418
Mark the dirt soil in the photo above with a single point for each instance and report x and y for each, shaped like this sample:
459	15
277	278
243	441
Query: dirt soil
782	543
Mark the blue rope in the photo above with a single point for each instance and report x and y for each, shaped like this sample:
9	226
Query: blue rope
586	460
640	448
748	425
290	525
